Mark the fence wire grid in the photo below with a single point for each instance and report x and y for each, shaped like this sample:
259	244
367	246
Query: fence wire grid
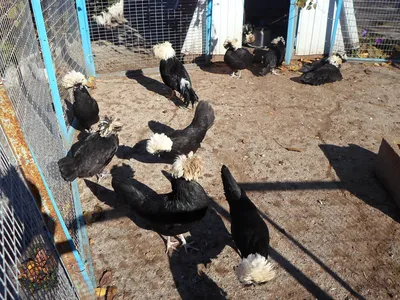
25	80
369	29
123	32
62	28
30	267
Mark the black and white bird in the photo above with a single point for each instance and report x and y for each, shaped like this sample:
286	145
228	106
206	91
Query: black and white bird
235	57
85	107
168	214
112	22
91	154
249	232
113	16
176	142
248	36
273	56
323	71
174	74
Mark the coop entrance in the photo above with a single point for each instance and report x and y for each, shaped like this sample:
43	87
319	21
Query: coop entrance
268	17
123	32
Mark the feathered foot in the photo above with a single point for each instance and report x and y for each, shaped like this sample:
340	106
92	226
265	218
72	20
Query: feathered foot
187	245
275	72
240	74
171	245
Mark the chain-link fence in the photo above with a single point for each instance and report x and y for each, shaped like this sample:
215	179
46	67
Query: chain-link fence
30	267
123	32
65	42
26	83
369	29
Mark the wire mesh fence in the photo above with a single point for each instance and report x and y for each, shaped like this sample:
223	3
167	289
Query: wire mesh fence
30	267
123	32
25	80
62	28
369	29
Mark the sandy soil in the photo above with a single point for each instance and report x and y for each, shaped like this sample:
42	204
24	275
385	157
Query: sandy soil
335	232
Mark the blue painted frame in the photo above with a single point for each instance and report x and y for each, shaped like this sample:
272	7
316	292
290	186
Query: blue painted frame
373	59
71	133
208	30
335	25
290	33
85	36
67	134
48	61
81	228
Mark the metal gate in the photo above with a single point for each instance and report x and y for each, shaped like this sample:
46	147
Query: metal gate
123	32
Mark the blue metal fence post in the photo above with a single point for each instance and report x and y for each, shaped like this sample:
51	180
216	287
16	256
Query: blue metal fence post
335	25
81	228
48	61
208	30
85	36
290	32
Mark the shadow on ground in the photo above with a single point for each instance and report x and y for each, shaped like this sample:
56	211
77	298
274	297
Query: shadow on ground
154	86
291	269
210	236
355	166
139	153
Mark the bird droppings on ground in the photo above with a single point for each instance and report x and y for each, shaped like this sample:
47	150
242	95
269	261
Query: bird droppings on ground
334	230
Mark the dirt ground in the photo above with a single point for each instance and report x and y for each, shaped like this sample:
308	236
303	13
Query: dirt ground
335	232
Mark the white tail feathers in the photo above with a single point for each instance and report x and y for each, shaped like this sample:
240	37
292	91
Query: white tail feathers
233	42
189	167
159	142
255	268
72	78
163	50
184	84
276	40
